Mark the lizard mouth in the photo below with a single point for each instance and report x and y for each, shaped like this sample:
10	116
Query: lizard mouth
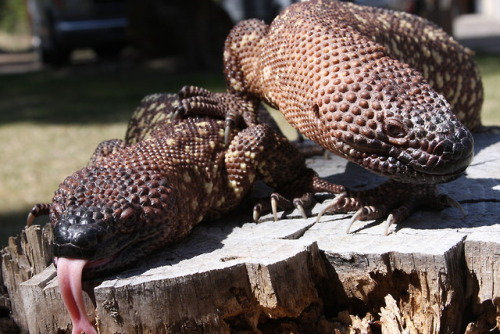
106	258
99	263
413	172
409	165
93	266
101	243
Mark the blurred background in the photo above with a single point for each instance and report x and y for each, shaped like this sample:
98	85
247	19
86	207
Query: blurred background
72	72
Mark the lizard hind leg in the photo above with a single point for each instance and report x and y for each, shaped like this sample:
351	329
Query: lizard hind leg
259	152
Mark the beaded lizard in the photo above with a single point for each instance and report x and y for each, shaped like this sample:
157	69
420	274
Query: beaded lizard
366	84
148	191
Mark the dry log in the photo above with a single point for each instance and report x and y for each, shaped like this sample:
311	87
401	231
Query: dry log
26	255
438	272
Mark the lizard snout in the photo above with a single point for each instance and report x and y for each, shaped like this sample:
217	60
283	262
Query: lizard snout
444	157
76	237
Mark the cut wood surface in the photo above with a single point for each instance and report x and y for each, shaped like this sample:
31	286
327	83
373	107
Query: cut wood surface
438	272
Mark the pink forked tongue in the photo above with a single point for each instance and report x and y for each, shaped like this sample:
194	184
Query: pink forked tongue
69	275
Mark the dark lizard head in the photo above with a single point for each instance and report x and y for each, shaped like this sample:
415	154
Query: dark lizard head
397	126
105	218
357	81
108	217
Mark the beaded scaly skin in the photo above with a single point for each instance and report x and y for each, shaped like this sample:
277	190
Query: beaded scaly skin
148	191
387	90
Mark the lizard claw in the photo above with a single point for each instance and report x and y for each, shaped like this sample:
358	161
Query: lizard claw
257	209
265	206
178	113
332	206
274	207
300	207
447	201
357	216
302	196
30	219
364	213
301	210
278	201
388	223
393	200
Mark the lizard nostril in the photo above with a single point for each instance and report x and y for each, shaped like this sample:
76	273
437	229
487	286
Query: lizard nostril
439	150
444	149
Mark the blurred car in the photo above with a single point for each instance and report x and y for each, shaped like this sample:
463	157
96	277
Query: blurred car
60	26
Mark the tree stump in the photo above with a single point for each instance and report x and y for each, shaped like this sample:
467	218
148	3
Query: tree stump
438	272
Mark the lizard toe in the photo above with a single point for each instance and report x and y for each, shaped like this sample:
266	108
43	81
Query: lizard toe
178	113
338	205
274	207
257	212
448	202
300	208
366	213
278	201
302	203
189	91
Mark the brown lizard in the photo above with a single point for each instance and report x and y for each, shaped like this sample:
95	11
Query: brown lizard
389	91
149	191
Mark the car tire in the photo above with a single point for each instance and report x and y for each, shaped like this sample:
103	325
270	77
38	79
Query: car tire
108	52
53	56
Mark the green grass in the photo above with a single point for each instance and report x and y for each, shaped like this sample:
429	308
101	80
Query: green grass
50	123
87	96
490	72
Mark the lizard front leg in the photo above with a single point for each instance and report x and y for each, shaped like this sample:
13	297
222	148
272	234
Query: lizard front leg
393	200
258	152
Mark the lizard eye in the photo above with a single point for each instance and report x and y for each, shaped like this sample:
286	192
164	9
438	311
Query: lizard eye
394	128
127	214
127	218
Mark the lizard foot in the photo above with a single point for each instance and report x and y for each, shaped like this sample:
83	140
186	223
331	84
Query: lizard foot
199	101
278	201
300	200
394	200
